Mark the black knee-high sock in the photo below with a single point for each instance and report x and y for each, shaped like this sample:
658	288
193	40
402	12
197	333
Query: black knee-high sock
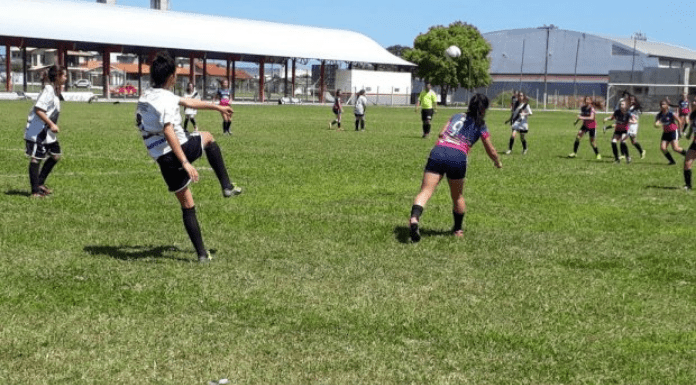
596	150
687	178
34	177
683	152
426	128
194	230
458	220
576	145
512	142
524	144
357	124
214	155
224	127
615	150
638	147
46	169
416	211
624	149
669	157
362	124
193	121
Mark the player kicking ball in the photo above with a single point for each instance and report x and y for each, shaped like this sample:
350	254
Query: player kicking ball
159	121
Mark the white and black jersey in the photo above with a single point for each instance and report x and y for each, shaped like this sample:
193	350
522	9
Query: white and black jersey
360	105
158	107
36	129
191	111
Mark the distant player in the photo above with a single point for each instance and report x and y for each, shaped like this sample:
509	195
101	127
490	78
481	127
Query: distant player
622	118
190	113
668	121
589	126
359	111
692	120
449	158
159	121
223	96
337	109
635	109
683	112
519	123
427	101
41	129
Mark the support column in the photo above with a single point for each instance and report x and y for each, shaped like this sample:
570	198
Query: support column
262	80
192	70
8	68
285	84
140	75
233	82
24	69
321	81
294	63
205	77
106	72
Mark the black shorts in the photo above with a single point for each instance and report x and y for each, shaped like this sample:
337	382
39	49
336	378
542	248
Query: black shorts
427	114
590	131
693	146
669	136
41	150
447	161
173	171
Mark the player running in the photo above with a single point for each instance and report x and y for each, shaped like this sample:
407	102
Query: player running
223	96
337	109
589	125
622	118
190	113
635	109
449	157
159	121
668	121
683	112
41	129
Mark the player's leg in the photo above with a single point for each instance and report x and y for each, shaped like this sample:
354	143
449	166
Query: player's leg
614	147
458	205
688	164
576	145
677	148
663	148
217	163
523	140
428	185
512	140
624	148
193	229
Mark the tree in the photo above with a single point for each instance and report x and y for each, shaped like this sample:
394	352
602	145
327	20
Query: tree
470	70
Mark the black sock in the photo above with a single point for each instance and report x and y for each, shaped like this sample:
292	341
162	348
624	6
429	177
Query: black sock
624	149
426	128
224	126
683	152
357	125
615	150
46	169
512	142
638	147
194	230
669	157
193	121
339	124
186	120
416	211
214	155
34	177
687	178
524	144
596	150
362	124
576	145
458	219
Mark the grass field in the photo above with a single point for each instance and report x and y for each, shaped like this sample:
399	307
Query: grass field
572	271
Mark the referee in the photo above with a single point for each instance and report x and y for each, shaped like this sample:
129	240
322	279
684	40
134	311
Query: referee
427	100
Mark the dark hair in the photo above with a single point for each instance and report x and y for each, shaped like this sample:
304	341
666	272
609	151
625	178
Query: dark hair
635	103
478	104
52	74
163	66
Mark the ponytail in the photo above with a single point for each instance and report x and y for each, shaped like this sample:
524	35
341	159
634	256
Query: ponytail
478	104
51	74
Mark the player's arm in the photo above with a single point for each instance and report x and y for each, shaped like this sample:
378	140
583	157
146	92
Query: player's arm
658	123
612	117
44	118
173	141
490	150
225	111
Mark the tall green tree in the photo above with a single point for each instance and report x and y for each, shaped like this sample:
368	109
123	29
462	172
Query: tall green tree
470	70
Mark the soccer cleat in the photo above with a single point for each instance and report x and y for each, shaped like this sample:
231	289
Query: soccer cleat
45	190
458	233
508	152
572	155
617	161
38	195
229	192
672	163
642	154
524	152
599	157
205	258
415	232
628	159
622	157
687	188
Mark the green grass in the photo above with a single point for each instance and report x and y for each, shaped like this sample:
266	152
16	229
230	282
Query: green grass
572	271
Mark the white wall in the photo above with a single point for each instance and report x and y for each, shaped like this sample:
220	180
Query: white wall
373	82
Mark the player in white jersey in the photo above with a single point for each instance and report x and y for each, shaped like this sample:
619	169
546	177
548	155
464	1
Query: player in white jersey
41	129
190	113
519	123
159	121
359	111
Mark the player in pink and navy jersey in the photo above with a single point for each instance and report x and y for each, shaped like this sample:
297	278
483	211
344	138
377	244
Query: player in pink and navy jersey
683	112
622	117
449	158
668	121
589	125
224	96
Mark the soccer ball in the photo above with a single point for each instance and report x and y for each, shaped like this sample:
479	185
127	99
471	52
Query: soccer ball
453	51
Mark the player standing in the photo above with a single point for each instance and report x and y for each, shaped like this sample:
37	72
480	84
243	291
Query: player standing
427	100
159	121
337	109
519	123
669	123
622	118
190	113
223	96
359	111
41	129
589	126
636	110
683	112
449	157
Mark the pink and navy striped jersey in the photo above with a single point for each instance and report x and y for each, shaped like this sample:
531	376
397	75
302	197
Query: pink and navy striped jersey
461	133
668	120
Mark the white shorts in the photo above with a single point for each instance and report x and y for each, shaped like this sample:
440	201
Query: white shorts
521	127
633	130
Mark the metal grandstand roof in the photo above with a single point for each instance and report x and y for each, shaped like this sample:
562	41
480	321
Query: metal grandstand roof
653	48
92	26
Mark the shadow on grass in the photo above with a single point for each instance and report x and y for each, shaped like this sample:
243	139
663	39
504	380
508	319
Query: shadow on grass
664	187
129	253
18	193
403	233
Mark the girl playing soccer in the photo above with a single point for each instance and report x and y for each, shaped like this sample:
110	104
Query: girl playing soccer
683	112
337	110
589	125
190	113
635	109
359	111
40	132
223	97
519	123
622	118
668	121
449	157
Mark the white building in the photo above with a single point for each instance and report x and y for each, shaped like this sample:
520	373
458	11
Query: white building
381	87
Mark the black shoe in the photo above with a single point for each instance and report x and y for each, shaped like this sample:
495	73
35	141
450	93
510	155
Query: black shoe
233	191
671	163
415	233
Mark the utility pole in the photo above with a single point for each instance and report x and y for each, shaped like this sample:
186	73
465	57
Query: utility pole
636	36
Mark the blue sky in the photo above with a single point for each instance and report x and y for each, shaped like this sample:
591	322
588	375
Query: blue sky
399	22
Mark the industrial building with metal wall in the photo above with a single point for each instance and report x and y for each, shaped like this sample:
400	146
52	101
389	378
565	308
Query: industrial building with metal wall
563	64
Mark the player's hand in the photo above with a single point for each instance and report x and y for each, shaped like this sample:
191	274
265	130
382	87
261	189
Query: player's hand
54	128
498	163
192	172
226	112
